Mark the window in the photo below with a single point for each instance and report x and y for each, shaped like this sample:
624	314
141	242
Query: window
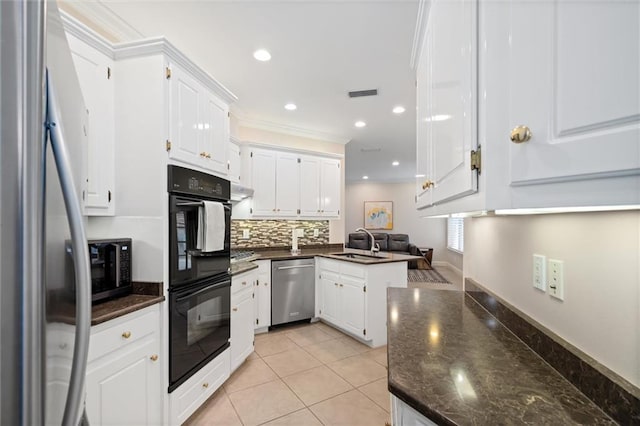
455	234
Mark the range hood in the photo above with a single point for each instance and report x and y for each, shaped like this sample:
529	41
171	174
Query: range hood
239	192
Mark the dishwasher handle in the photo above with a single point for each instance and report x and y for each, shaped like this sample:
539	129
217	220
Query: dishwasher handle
282	268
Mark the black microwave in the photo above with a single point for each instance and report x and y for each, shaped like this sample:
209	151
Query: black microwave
110	263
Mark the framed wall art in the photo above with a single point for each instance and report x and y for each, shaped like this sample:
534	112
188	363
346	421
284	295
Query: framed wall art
378	215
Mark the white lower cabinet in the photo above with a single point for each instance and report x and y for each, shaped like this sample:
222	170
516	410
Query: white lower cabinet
353	298
263	296
403	415
186	399
242	317
124	371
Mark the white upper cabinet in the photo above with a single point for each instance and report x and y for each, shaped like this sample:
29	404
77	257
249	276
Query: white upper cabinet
96	76
287	184
580	94
564	73
198	123
293	184
320	192
330	181
235	163
263	174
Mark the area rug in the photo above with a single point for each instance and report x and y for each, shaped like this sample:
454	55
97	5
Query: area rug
426	276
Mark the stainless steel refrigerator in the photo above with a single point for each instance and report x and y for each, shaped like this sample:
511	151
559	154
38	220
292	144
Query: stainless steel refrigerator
43	126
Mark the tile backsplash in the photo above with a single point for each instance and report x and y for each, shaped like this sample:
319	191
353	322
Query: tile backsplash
269	233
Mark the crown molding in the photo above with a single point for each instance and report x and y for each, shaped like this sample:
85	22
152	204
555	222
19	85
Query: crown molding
162	46
418	35
105	20
291	130
81	31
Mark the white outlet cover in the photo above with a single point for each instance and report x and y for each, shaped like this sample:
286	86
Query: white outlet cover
539	272
556	278
299	232
316	232
245	234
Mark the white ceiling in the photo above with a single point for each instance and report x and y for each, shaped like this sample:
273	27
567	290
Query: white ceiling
320	51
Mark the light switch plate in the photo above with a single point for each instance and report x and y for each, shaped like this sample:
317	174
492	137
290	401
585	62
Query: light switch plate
299	232
316	232
245	234
556	278
539	272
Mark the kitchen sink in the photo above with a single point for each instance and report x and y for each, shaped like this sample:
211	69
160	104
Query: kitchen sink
359	256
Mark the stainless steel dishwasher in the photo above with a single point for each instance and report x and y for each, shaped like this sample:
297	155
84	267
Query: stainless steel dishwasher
292	290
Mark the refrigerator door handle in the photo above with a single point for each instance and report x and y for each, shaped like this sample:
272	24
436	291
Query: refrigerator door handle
74	406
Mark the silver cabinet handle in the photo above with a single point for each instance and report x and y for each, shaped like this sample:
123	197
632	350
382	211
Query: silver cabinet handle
282	268
74	404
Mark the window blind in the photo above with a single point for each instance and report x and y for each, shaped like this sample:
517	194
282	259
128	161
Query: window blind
455	234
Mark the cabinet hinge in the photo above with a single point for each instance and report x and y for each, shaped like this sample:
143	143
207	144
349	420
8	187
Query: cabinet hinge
109	196
108	73
251	155
257	321
167	72
476	160
251	210
82	195
168	145
299	160
298	211
364	288
228	114
253	295
228	166
320	311
338	212
364	331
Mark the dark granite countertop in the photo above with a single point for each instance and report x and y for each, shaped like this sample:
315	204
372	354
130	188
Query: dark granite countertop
143	294
241	267
457	365
380	257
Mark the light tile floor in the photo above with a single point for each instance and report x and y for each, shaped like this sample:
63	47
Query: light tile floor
307	375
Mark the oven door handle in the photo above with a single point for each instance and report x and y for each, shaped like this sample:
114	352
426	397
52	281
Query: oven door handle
210	288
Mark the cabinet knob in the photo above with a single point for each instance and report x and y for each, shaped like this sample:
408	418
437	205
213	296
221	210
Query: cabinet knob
153	357
208	155
266	284
427	184
278	209
205	385
336	284
341	285
274	210
126	334
520	134
235	309
202	154
244	283
318	211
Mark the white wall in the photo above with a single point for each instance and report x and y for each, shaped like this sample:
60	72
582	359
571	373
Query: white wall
424	232
600	314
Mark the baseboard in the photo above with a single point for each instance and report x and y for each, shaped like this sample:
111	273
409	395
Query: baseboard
447	265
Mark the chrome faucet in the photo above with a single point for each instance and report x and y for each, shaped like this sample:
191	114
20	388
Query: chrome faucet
375	247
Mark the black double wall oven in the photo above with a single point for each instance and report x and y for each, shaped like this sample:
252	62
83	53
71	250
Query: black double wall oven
199	281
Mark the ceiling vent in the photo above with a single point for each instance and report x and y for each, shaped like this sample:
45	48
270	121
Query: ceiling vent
361	93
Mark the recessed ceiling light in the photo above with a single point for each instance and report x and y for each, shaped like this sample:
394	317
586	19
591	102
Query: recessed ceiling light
395	163
360	124
365	177
262	55
290	107
420	176
398	110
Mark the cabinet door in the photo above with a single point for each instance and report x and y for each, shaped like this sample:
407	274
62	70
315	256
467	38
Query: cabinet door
330	192
423	138
578	93
94	71
263	175
451	118
287	184
309	186
242	314
185	127
127	388
352	305
263	295
215	133
329	295
234	163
